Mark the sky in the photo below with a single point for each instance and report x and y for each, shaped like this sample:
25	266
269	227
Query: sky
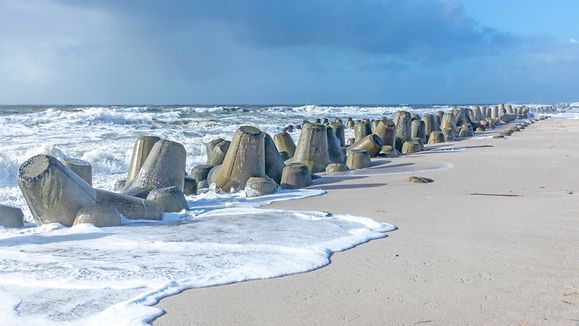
288	52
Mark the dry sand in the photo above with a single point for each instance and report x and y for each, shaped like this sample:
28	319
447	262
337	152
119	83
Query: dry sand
457	259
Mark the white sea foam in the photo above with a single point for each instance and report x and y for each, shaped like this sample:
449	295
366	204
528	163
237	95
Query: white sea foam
573	113
86	275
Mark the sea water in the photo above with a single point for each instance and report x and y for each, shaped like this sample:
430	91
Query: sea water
86	275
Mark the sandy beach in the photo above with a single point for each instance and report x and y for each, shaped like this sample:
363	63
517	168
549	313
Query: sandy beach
456	259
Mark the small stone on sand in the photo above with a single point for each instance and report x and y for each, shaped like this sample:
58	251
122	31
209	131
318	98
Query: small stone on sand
415	179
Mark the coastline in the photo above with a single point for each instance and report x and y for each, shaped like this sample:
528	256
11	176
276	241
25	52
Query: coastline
456	259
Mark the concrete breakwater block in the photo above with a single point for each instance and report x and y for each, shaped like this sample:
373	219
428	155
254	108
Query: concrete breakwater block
98	215
371	144
133	208
171	199
190	186
200	172
358	159
339	131
274	162
260	186
245	159
430	125
389	151
418	130
350	123
212	173
312	148
465	131
284	143
403	122
438	116
164	167
436	137
11	217
448	127
142	148
386	129
80	167
53	192
295	176
337	167
361	130
216	151
412	146
334	148
461	116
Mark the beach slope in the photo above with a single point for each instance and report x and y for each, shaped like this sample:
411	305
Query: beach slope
462	254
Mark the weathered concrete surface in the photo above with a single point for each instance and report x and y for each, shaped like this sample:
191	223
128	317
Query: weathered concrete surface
133	208
53	192
141	150
11	217
164	167
245	159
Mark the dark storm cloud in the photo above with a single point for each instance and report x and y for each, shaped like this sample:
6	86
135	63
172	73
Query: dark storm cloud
426	31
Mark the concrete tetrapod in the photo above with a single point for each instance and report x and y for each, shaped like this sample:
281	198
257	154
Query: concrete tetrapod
494	112
339	131
361	130
438	116
98	215
358	159
260	186
200	172
349	123
133	208
412	146
218	152
52	191
337	167
403	121
371	143
334	149
436	137
171	199
212	173
80	167
284	143
448	127
373	124
390	151
141	150
245	159
190	186
466	131
11	217
210	145
312	149
418	130
295	176
164	167
274	163
386	130
430	124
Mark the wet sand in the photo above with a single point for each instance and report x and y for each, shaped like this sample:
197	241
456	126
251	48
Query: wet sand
456	259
